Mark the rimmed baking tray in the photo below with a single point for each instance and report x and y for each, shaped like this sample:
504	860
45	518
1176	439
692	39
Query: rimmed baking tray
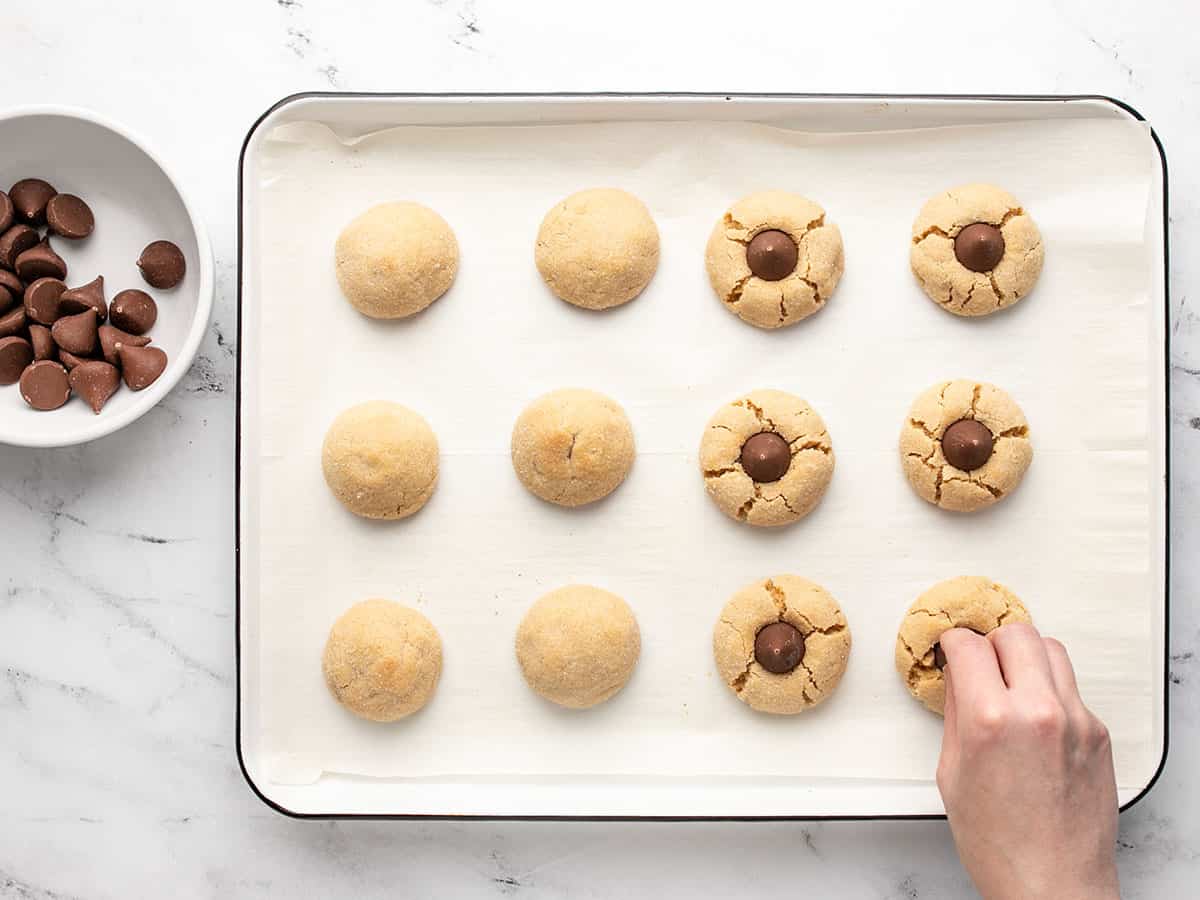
1083	541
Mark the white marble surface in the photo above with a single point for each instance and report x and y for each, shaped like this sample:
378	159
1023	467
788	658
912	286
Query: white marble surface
117	769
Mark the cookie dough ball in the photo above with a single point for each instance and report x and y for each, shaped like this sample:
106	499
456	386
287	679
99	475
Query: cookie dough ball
382	660
572	446
395	259
965	445
577	646
380	460
781	644
773	259
965	602
597	248
975	250
766	458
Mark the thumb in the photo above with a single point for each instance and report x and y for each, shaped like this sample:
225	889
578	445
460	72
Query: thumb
950	725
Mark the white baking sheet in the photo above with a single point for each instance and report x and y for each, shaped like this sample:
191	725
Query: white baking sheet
1077	542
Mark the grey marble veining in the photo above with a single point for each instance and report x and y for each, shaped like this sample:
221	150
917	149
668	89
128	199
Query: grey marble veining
117	769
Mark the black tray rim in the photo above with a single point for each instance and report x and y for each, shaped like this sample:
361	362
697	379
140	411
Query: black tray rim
1122	105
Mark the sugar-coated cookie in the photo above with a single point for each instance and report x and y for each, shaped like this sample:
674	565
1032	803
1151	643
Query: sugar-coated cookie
781	644
975	250
572	446
395	259
382	660
773	259
380	460
965	445
965	602
597	248
766	458
577	646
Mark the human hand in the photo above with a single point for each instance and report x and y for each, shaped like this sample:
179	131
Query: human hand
1026	771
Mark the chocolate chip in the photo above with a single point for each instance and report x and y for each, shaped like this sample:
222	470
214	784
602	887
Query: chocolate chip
979	247
29	198
140	366
7	213
76	334
88	296
779	647
766	457
70	360
43	343
40	261
44	385
13	321
967	444
15	354
95	382
14	242
69	217
162	264
42	298
133	311
6	298
15	285
772	255
110	337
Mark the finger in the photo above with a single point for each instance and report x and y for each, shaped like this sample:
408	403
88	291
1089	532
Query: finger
1063	675
950	718
948	759
978	683
1022	655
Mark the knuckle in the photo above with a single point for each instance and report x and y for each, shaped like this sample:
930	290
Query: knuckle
989	721
1055	645
1097	734
1046	719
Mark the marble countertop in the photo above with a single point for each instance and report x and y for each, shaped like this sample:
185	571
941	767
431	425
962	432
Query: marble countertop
117	765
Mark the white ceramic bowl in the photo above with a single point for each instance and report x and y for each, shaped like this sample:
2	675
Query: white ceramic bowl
135	202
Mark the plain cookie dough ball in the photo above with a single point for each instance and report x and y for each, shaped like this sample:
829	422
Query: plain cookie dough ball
965	445
773	259
380	459
395	259
577	646
975	250
572	446
965	602
597	248
382	660
766	458
781	644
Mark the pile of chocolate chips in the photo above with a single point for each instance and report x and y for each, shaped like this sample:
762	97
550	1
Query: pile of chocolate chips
56	340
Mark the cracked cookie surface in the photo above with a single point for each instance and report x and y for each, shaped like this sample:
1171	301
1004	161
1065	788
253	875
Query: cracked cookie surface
380	460
578	645
790	497
597	248
395	259
968	601
818	267
951	284
810	609
572	446
923	455
382	660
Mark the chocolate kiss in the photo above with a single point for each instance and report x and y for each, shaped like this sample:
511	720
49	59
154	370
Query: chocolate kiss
16	241
12	322
111	335
76	334
40	261
140	366
90	295
69	359
95	382
43	343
